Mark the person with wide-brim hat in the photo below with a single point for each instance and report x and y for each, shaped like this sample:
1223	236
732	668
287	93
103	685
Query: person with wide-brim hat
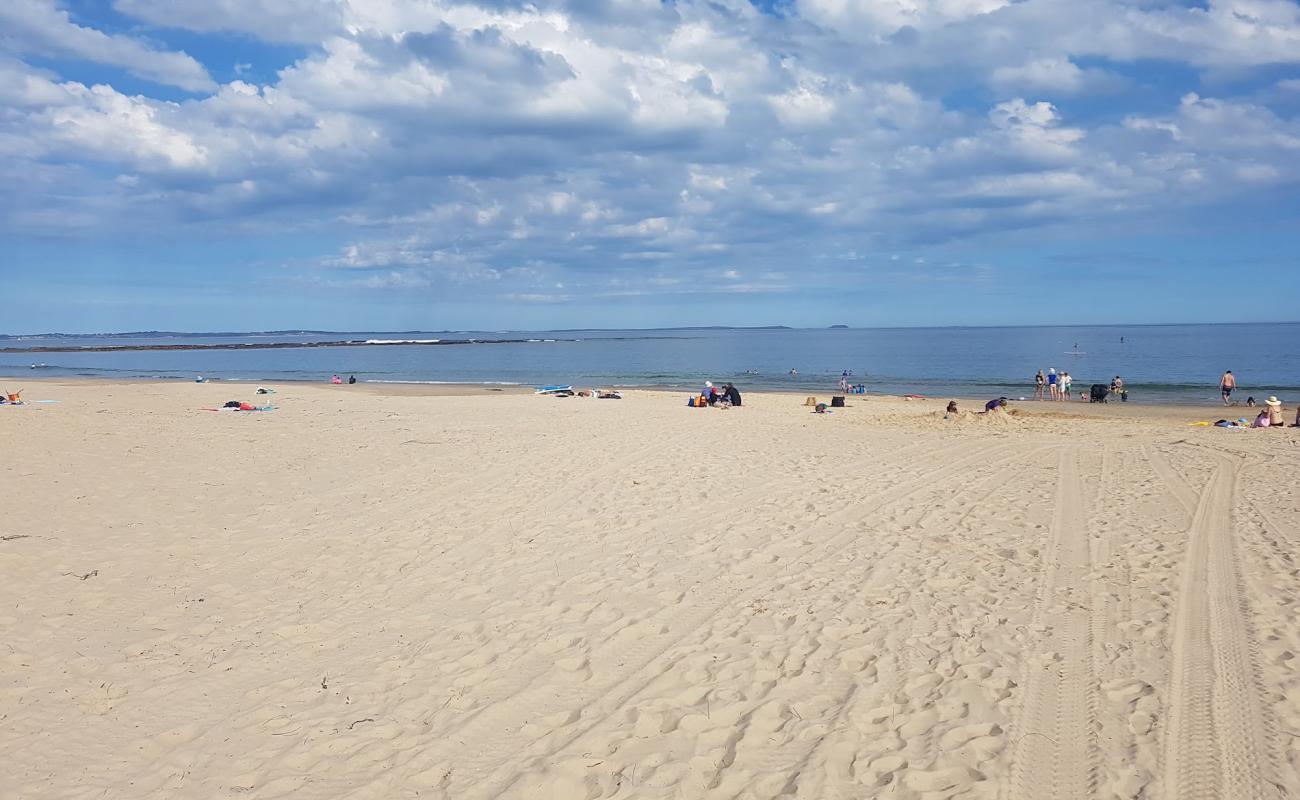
1274	411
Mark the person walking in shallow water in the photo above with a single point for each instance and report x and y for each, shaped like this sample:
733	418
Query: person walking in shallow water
1040	380
1226	384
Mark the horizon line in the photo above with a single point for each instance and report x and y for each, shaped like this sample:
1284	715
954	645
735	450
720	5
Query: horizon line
836	326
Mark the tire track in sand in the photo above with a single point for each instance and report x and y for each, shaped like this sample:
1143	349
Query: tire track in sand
1055	733
1215	742
1175	483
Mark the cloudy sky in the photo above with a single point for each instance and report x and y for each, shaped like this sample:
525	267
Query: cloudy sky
432	164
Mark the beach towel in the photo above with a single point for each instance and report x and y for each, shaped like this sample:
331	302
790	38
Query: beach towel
240	407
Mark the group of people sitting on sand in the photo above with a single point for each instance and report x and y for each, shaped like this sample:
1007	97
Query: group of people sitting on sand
996	404
725	396
1270	416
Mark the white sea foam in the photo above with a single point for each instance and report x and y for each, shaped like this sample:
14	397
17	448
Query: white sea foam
402	341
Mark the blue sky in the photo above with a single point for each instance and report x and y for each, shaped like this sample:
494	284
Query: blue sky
353	164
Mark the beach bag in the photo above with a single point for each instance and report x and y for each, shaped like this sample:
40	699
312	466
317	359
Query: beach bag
810	401
837	402
701	402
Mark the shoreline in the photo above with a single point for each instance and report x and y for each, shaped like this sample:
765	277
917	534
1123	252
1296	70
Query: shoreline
1070	409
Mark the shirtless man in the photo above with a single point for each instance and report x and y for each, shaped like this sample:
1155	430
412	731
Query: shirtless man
1226	384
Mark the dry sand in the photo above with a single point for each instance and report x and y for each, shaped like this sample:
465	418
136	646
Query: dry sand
368	594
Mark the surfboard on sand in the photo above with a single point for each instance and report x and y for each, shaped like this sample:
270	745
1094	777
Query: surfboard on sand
552	389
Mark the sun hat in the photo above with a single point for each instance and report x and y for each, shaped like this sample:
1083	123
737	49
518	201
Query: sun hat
1273	401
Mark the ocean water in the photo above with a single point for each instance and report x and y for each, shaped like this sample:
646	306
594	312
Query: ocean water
1159	363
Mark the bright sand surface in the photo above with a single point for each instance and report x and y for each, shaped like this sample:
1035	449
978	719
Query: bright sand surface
375	594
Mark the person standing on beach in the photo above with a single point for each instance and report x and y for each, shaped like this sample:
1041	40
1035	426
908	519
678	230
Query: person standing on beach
1065	381
1226	384
1039	382
1051	382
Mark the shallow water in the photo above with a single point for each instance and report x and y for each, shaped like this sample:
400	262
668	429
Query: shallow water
1159	363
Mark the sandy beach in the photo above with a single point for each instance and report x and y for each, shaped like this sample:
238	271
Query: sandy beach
387	593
